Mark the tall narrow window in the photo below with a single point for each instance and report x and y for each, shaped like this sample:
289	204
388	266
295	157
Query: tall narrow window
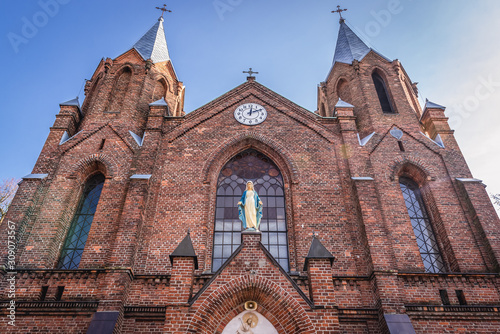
250	165
429	250
80	226
382	93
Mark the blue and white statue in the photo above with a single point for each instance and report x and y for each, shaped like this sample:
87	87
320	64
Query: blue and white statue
250	208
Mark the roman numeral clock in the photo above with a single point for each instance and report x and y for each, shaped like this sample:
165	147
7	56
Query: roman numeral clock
250	114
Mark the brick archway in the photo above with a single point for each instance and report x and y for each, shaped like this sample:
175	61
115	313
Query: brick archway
277	305
265	145
95	162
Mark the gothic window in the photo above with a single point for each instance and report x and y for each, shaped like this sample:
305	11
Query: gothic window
80	226
120	89
429	250
250	165
382	93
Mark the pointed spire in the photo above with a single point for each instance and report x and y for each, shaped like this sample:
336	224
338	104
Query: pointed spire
432	105
350	47
318	251
160	103
185	249
74	102
343	104
153	45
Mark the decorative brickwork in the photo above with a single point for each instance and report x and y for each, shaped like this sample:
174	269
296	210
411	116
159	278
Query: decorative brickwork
341	169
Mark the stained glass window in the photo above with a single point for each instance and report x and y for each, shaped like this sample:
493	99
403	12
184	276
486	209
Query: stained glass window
429	250
80	226
250	165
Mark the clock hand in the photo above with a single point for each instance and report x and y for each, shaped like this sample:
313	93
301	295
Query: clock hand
250	112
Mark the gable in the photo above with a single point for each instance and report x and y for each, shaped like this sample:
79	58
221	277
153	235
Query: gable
252	92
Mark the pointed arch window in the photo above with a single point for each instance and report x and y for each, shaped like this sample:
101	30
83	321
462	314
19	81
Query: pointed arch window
250	165
382	93
80	226
426	239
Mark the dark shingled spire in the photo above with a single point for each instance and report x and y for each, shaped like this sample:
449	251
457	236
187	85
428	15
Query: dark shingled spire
153	45
350	47
318	251
185	249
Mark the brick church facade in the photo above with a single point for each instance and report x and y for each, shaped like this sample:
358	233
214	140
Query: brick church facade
372	221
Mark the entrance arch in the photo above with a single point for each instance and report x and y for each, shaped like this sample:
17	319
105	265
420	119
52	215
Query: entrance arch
278	306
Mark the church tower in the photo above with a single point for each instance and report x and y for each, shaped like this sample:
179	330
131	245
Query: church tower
379	87
122	89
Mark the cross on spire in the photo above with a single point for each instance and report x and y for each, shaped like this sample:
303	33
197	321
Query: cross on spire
250	73
163	10
340	13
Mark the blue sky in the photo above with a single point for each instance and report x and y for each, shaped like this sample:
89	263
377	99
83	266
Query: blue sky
450	47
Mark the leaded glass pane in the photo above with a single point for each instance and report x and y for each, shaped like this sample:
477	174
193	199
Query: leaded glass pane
250	165
426	240
78	232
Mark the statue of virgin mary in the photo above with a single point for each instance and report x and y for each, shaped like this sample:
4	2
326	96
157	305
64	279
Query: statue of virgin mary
250	208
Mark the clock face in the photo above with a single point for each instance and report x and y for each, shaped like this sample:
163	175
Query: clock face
250	114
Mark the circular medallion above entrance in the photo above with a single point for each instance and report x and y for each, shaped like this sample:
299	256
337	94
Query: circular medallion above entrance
249	322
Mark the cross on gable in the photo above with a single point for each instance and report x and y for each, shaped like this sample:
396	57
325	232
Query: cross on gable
250	72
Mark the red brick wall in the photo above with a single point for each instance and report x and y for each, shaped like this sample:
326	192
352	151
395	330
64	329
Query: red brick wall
364	224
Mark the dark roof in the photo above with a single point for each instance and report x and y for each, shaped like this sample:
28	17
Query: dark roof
185	249
350	46
318	251
432	105
343	104
75	102
161	102
153	45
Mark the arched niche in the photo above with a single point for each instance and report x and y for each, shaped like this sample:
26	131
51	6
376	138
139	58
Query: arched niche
159	90
344	91
120	89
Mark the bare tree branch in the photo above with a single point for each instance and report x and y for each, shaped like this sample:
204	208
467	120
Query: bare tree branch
8	188
495	198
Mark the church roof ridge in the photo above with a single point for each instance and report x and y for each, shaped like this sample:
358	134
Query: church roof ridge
153	44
